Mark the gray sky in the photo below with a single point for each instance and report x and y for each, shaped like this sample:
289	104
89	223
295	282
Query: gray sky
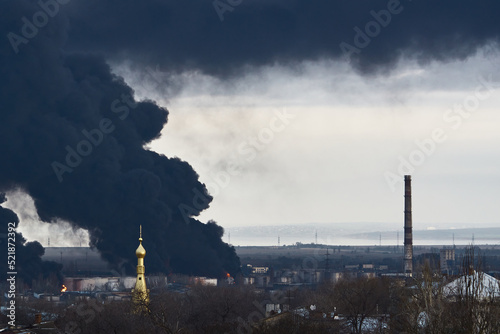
337	156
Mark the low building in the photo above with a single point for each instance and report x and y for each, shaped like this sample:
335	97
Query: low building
477	284
447	260
99	283
123	283
260	270
205	281
47	296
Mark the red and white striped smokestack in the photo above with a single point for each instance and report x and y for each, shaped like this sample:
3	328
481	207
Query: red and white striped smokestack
408	260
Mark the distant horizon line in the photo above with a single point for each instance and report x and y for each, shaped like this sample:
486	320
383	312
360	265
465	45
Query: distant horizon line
430	228
458	245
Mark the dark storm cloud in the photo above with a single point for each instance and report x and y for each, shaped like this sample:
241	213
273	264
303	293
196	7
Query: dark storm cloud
180	35
72	136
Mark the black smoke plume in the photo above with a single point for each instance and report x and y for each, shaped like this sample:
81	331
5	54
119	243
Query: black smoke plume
190	35
73	137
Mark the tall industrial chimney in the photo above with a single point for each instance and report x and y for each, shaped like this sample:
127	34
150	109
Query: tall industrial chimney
408	260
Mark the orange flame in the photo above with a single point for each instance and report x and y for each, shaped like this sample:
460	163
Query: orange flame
64	288
228	275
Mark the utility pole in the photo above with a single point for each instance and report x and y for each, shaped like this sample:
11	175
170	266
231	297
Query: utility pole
397	244
327	266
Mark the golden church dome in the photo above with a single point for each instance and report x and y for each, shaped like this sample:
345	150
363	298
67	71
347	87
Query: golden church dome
140	251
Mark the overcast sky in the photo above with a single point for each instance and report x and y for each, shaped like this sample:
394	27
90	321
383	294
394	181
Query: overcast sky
337	152
290	112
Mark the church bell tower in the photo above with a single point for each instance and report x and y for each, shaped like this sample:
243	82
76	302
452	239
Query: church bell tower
140	294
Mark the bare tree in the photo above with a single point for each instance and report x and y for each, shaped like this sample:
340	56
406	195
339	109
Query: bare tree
422	305
360	298
475	297
92	316
217	309
169	311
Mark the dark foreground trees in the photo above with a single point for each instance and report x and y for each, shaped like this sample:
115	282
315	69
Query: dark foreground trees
357	300
204	309
469	303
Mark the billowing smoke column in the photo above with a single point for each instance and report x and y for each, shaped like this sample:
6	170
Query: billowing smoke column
73	137
408	255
